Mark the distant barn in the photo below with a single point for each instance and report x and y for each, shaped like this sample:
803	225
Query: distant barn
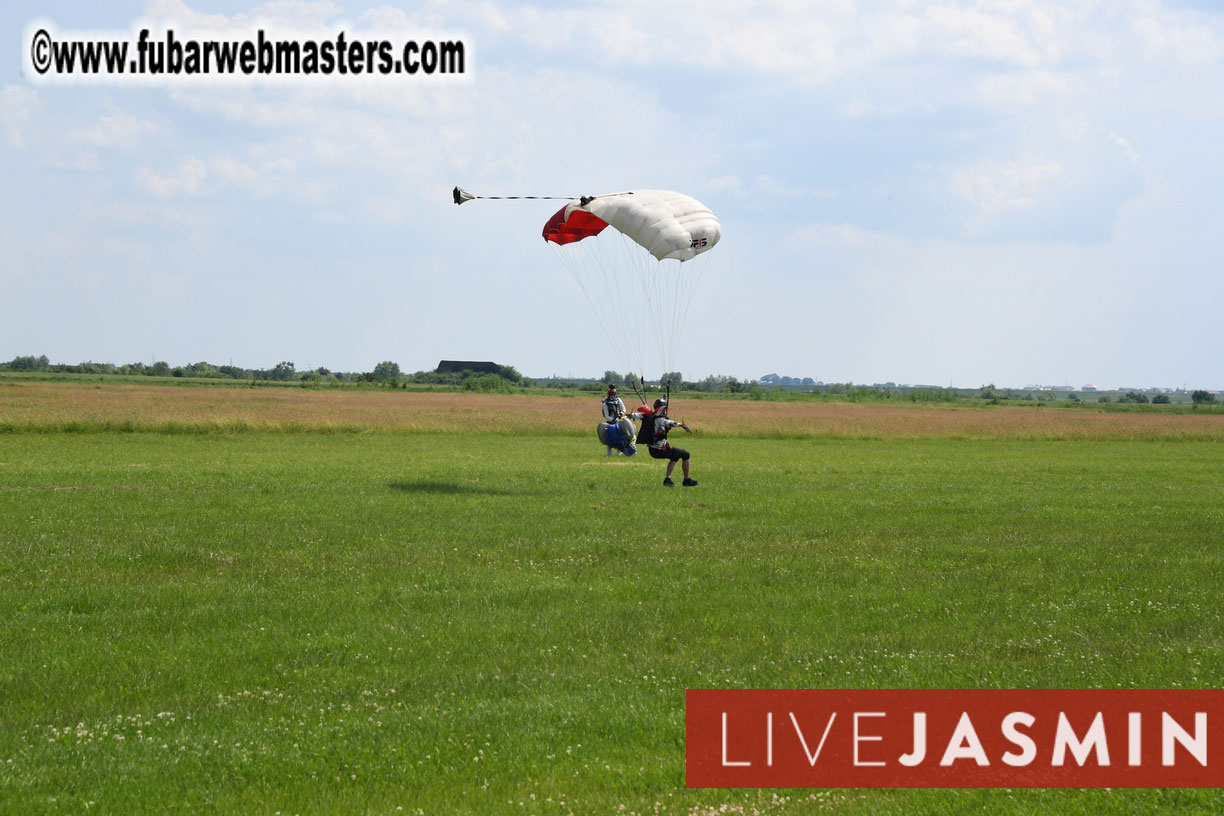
453	366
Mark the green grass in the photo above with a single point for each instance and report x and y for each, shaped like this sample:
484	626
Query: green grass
320	623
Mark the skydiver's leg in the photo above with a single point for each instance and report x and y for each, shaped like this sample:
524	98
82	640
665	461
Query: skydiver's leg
671	465
684	465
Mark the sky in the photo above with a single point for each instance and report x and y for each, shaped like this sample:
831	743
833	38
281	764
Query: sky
1013	192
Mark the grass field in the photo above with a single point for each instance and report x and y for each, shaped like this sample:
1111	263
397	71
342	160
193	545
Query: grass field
229	600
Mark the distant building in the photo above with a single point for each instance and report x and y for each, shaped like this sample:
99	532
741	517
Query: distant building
452	366
1059	388
1089	388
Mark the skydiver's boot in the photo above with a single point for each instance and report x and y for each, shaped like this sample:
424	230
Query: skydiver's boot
689	482
667	482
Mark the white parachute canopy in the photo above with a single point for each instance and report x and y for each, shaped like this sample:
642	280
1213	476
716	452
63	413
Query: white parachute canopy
639	296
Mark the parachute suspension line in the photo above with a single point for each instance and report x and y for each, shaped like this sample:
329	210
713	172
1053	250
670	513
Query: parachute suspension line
641	304
616	298
642	272
573	260
601	275
621	297
688	280
643	297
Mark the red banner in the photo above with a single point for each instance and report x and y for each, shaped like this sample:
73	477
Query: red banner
946	738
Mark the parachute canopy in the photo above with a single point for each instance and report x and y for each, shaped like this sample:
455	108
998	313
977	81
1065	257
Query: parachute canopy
666	224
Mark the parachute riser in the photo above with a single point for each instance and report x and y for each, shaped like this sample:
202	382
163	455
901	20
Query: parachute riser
641	399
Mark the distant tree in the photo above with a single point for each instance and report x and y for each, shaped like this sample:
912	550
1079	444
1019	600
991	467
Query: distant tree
1201	397
487	383
613	378
201	369
1104	398
988	392
677	379
283	371
1134	396
386	371
1160	399
30	363
159	369
508	372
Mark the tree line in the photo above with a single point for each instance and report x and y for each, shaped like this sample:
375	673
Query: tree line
388	374
385	373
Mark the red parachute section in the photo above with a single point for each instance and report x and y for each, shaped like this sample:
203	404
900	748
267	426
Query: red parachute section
581	224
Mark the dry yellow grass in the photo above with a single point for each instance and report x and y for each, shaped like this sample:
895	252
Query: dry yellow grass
86	406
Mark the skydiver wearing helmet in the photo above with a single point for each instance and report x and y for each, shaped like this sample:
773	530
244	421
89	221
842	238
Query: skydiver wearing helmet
613	408
616	431
653	433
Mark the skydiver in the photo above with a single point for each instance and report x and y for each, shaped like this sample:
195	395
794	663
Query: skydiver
613	408
613	412
653	433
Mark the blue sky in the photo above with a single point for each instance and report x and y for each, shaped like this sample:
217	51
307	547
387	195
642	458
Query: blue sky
1018	192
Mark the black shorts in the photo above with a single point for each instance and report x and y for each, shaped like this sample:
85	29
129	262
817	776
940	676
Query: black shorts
674	454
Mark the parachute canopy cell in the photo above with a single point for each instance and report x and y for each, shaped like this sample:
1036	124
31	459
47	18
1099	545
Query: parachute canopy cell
666	224
566	228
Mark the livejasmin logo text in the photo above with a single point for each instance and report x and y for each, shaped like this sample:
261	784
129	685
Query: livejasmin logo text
928	738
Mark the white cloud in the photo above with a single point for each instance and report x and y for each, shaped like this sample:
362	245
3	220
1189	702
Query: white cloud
994	186
1018	32
187	179
17	104
115	128
1125	146
87	161
1018	89
838	236
1170	39
723	183
297	14
261	178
